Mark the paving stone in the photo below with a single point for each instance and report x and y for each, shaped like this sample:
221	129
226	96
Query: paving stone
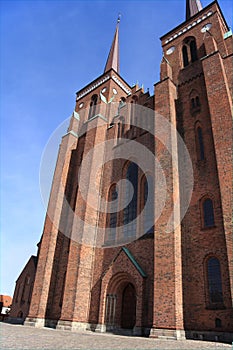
22	337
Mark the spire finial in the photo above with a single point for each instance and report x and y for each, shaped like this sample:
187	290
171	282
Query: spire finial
113	57
192	7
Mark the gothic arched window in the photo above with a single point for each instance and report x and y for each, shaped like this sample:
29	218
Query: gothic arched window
208	212
112	213
189	51
113	204
214	280
131	197
195	103
92	109
200	144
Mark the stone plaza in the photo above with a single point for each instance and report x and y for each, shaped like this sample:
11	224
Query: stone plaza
23	337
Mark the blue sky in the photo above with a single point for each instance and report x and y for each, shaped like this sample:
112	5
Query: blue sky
50	50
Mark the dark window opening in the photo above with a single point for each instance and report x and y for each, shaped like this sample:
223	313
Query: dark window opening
92	109
218	323
208	211
197	102
112	214
214	281
131	197
185	56
193	103
193	51
119	130
189	51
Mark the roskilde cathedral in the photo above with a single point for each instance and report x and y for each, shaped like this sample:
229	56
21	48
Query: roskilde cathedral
138	277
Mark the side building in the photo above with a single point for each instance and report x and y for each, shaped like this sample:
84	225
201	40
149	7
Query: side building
23	292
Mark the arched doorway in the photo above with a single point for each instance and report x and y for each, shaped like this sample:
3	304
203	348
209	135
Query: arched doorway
128	314
120	303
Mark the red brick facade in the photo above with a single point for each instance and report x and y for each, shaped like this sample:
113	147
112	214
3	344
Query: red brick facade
167	283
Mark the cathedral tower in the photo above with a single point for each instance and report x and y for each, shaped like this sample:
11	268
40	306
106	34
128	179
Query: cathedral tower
101	269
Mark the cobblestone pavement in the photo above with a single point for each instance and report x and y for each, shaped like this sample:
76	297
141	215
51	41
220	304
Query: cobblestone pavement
22	337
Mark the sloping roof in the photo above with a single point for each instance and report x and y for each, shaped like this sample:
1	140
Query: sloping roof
134	262
32	259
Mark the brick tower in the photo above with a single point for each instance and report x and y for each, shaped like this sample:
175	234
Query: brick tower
174	283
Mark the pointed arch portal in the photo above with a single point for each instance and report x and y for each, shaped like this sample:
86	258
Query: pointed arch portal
121	303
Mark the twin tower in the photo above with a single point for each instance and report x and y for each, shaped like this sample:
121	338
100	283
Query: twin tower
138	233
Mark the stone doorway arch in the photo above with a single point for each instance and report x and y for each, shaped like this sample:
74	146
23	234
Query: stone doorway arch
121	303
123	280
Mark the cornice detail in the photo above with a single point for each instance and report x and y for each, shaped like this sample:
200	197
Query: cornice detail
100	82
190	26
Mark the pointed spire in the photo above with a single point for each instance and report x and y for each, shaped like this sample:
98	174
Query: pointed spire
113	57
192	7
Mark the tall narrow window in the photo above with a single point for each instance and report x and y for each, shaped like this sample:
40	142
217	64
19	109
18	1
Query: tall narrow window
193	50
214	280
120	128
112	214
200	144
148	219
131	197
185	56
189	51
208	211
92	109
